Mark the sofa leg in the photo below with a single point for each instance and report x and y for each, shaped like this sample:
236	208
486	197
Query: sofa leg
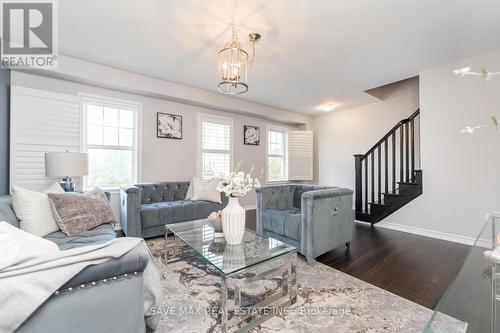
310	261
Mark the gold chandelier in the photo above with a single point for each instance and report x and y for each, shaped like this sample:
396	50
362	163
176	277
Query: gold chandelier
234	63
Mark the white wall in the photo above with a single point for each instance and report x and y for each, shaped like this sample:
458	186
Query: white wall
97	75
461	172
341	134
165	159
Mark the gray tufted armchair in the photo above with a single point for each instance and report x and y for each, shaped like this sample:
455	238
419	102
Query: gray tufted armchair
312	218
146	208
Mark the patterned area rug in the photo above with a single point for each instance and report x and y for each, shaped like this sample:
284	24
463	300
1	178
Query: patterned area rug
328	301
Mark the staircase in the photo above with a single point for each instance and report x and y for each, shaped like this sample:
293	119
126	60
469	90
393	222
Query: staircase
388	175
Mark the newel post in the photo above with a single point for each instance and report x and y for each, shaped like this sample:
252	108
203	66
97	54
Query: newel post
358	167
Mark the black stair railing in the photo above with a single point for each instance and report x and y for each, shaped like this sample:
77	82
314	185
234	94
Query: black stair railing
391	160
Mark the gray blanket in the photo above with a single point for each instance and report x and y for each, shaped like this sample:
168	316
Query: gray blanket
33	268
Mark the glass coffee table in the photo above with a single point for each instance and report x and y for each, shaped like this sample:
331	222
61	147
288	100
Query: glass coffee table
243	268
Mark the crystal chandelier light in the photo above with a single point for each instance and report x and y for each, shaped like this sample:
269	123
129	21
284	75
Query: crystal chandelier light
234	63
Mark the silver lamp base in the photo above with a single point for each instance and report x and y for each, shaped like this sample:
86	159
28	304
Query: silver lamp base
68	184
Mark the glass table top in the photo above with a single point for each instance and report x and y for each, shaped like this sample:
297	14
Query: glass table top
200	235
472	301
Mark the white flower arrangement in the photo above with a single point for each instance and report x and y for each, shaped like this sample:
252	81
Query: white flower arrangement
214	216
237	183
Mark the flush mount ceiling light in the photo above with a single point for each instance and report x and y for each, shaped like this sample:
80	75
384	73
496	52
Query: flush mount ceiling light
234	63
327	107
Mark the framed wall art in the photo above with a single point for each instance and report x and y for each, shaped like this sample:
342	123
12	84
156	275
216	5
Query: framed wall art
168	126
251	135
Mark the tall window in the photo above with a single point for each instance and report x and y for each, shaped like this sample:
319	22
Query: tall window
215	146
111	141
277	164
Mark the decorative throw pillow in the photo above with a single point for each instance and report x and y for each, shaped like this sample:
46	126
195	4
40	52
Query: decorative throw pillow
33	210
206	191
76	213
190	191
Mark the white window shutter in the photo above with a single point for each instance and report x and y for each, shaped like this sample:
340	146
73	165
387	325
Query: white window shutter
214	146
41	121
300	155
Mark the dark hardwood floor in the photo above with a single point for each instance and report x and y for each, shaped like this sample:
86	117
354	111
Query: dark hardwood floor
415	267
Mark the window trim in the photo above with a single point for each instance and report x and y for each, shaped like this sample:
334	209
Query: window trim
283	130
199	144
136	107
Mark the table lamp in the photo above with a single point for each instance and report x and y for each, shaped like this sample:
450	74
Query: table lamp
66	166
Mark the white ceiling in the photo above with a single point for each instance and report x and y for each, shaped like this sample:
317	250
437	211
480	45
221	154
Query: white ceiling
311	52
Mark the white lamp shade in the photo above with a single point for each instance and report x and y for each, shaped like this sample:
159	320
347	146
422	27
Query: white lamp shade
66	164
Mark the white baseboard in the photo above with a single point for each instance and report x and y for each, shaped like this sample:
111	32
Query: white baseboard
250	207
427	233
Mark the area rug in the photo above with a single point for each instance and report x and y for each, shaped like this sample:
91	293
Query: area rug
328	301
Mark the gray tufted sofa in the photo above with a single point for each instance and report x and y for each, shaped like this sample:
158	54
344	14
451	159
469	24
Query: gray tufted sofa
96	306
146	208
312	218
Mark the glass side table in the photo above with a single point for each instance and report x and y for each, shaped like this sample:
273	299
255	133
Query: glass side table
472	301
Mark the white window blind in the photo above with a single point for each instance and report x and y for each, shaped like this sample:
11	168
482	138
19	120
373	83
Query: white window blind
41	121
215	146
111	140
300	155
277	159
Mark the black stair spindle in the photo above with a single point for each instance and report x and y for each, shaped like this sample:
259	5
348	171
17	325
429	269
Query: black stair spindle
401	155
373	176
366	184
394	162
379	189
359	182
407	151
386	160
412	146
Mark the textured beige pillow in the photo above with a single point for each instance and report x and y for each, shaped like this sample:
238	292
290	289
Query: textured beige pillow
206	191
76	213
33	210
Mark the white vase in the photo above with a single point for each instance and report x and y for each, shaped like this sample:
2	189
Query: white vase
233	222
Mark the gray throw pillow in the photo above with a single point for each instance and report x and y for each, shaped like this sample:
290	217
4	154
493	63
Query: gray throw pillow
76	213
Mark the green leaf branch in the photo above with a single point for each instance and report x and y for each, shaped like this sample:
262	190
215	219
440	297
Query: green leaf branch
466	71
487	76
495	121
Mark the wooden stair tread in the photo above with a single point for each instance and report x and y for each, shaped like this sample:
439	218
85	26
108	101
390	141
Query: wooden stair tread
378	204
390	203
408	183
397	195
